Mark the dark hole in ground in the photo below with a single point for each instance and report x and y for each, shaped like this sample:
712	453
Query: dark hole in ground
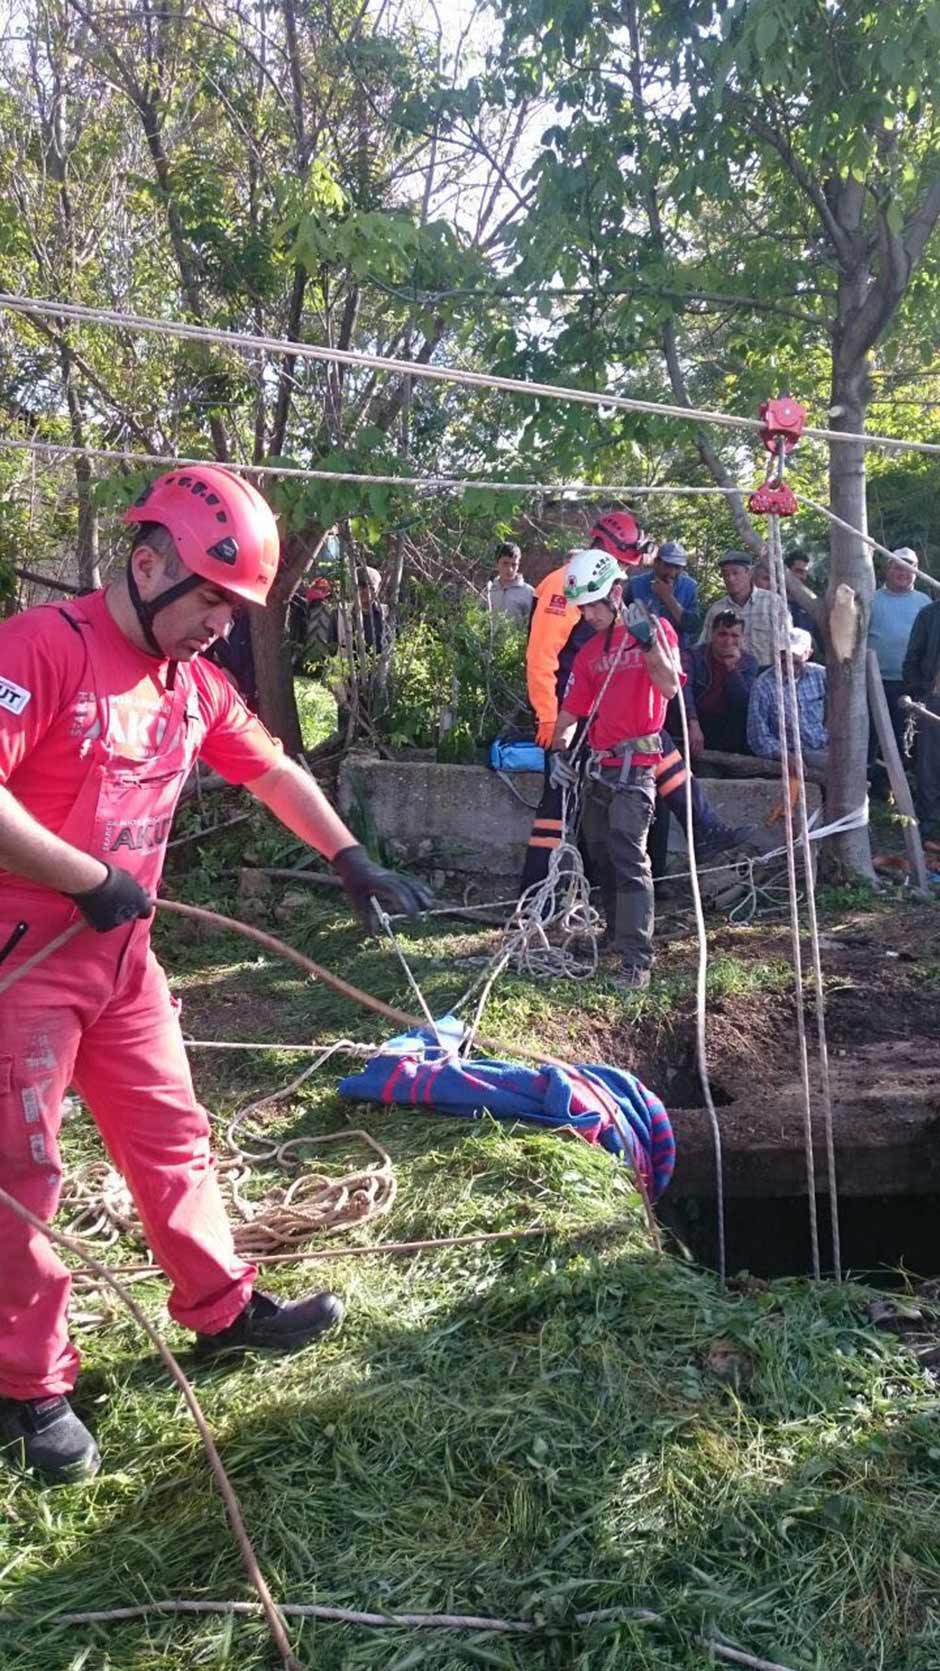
681	1087
770	1236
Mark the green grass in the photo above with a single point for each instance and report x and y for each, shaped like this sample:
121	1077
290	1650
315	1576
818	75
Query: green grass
525	1430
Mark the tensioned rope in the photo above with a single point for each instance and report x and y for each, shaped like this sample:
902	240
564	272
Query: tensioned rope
701	1010
410	1621
457	484
778	587
441	374
867	539
782	651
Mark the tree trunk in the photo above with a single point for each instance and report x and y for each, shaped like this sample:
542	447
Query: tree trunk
851	565
89	574
270	643
274	675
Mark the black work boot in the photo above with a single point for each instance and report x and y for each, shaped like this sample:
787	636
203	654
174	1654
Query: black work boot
722	837
268	1324
46	1434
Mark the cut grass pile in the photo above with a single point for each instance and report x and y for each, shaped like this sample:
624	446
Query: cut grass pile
523	1430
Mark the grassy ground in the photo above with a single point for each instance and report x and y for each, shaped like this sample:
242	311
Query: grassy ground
526	1430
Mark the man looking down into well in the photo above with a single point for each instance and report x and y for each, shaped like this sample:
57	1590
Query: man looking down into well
105	704
629	668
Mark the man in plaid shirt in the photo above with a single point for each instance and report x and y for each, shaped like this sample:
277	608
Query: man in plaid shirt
763	719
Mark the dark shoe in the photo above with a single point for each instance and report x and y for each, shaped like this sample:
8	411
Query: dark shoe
275	1325
631	979
46	1434
722	838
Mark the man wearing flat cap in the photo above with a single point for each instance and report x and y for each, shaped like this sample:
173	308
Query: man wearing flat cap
754	605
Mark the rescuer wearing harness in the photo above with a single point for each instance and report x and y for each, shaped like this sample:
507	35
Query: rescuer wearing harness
556	633
622	678
104	706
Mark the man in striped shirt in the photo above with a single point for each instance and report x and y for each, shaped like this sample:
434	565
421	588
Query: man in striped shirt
763	718
754	604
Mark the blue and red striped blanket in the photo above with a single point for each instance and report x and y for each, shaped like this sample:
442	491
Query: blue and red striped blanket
605	1105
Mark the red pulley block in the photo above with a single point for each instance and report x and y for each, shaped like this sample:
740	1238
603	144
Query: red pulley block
782	420
773	499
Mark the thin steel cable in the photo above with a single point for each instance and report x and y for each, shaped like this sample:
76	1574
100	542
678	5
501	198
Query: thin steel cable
778	574
440	374
781	646
458	484
875	545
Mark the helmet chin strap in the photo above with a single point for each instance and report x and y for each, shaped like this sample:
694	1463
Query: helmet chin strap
146	610
616	614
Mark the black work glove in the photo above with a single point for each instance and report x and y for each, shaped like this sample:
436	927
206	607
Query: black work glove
116	900
361	878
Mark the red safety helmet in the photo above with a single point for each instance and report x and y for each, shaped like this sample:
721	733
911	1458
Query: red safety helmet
222	528
223	531
620	535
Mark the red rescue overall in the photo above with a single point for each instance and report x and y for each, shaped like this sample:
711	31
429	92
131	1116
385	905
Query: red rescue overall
99	1015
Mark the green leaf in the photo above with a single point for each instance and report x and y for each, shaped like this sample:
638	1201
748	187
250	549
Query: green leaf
767	30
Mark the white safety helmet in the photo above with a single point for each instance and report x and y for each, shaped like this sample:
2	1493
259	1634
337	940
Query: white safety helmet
590	576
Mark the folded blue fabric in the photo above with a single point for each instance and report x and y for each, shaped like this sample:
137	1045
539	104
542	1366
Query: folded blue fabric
606	1105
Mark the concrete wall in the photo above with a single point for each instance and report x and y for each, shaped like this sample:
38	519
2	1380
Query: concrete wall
453	819
465	821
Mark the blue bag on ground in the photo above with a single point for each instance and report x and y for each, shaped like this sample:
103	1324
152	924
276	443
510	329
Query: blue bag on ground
506	756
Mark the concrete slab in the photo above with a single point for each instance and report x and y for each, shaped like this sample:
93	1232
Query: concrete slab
744	801
463	820
467	822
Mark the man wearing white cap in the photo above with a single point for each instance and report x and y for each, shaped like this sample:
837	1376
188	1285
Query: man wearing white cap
894	609
763	718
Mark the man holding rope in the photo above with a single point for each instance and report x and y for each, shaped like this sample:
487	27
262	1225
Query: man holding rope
105	705
621	681
557	631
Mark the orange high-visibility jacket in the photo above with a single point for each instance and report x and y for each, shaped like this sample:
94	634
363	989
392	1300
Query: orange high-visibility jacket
556	633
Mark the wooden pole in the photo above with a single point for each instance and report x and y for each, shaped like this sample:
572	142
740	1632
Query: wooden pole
900	788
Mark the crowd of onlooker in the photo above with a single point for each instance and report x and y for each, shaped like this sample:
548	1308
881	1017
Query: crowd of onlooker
730	693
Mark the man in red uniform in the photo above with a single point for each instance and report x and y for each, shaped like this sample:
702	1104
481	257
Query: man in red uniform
556	633
622	678
104	706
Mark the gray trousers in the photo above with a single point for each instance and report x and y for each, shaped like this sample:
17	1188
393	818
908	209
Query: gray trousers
927	773
615	827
